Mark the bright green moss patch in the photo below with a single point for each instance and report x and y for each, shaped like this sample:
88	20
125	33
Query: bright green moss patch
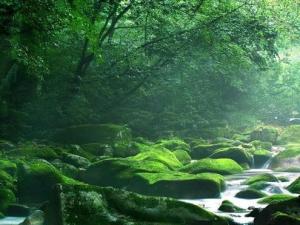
221	166
150	173
266	177
32	150
275	198
173	144
238	154
8	166
261	157
36	180
182	156
160	155
205	150
295	186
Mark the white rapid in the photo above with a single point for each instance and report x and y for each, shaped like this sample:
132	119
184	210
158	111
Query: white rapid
12	220
235	183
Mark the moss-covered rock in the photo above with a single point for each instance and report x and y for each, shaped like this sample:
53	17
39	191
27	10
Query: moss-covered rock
173	144
288	211
289	158
153	173
6	197
250	194
8	166
290	134
295	186
94	133
261	144
266	177
66	169
259	185
76	160
265	133
241	137
220	166
261	157
205	150
88	205
6	181
32	150
228	206
36	179
238	154
275	198
182	156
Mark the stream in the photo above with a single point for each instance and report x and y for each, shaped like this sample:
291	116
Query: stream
235	183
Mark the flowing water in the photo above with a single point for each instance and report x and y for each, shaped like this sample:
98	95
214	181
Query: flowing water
235	183
11	220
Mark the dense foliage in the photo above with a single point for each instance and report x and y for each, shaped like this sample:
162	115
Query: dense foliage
162	66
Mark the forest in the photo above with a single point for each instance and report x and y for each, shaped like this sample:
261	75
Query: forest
150	112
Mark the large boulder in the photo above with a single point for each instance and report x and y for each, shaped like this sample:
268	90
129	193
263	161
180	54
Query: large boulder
280	213
89	205
173	144
287	159
153	173
36	179
265	133
238	154
220	166
266	177
261	157
201	151
250	194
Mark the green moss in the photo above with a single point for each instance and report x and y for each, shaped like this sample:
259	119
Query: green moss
260	185
266	177
98	149
205	150
241	137
295	186
290	134
6	181
287	158
250	194
182	156
6	197
261	157
286	212
220	166
265	133
228	206
36	180
150	173
8	166
160	155
173	144
32	150
238	154
261	144
275	198
112	206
